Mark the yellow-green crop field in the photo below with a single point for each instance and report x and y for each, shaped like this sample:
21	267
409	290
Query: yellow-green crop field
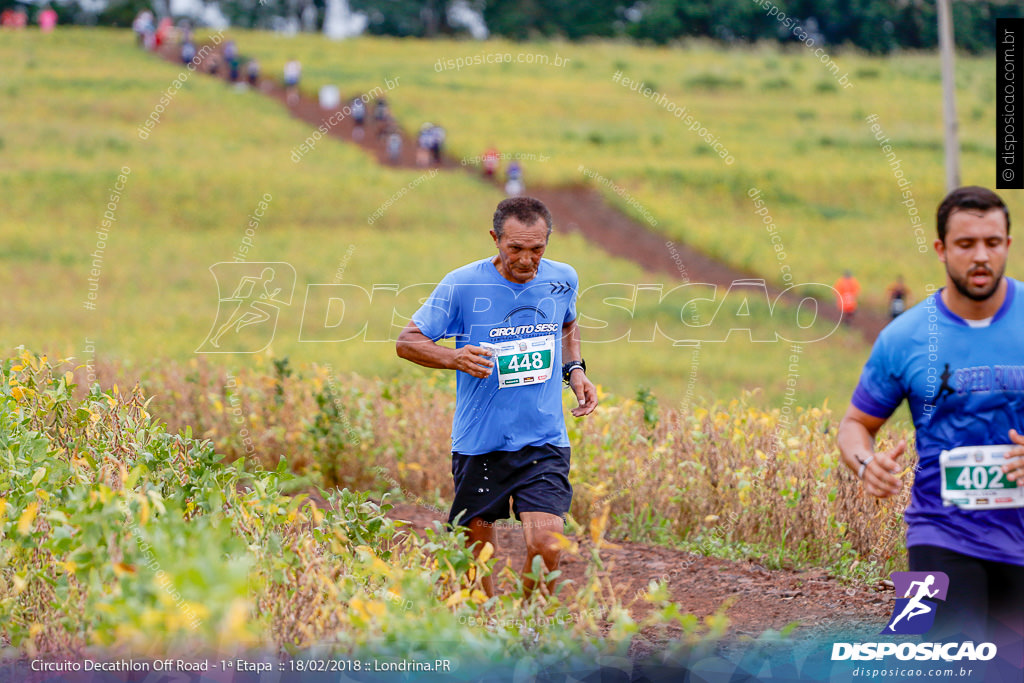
128	533
793	131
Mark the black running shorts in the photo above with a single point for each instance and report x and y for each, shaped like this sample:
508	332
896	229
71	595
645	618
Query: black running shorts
535	478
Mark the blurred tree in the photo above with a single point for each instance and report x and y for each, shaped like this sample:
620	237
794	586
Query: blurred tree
876	26
252	13
868	24
665	20
658	22
264	14
420	18
523	19
122	12
982	18
881	26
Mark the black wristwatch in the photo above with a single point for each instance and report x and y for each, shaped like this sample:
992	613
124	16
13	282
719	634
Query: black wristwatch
572	365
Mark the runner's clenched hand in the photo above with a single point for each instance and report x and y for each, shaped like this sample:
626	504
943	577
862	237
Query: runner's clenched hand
1015	468
880	475
473	360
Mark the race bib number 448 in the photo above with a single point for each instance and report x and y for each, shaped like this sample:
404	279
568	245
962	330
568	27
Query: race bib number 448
523	362
973	478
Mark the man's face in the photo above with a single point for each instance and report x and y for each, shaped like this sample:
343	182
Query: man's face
521	248
975	251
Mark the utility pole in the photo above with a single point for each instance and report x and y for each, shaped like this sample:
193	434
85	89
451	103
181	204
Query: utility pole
949	95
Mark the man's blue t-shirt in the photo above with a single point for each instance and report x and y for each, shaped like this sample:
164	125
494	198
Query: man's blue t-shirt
965	387
475	304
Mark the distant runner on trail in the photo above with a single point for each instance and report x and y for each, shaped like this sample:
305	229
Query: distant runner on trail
899	295
848	289
381	114
491	161
233	60
292	74
423	142
164	29
394	146
47	19
514	180
358	109
437	135
965	517
143	25
252	72
513	318
188	52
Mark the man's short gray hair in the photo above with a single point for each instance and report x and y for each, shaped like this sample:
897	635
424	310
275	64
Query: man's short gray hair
526	210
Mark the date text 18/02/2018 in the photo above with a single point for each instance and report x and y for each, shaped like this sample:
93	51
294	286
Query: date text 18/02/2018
366	665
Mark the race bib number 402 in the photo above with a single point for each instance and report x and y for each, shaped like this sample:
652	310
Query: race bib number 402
523	362
973	478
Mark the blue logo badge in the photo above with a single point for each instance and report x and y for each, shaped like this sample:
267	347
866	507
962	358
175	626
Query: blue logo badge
914	613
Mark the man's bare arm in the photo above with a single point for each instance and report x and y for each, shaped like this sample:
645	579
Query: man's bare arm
856	442
415	346
586	392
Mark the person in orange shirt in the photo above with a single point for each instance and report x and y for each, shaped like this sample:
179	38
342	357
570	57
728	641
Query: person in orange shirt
491	161
848	289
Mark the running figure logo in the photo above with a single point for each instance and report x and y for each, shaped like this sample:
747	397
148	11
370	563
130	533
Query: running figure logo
247	318
945	388
913	614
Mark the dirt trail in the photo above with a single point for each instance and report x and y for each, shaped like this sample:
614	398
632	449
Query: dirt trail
577	208
761	598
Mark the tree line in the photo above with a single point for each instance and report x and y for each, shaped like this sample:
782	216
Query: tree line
875	26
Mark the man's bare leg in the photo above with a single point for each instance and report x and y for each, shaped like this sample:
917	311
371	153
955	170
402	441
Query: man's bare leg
539	529
481	532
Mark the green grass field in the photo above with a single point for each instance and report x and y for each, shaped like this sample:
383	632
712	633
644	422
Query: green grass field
80	96
794	132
